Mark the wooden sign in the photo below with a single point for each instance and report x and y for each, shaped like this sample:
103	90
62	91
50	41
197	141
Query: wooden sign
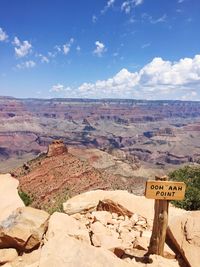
165	190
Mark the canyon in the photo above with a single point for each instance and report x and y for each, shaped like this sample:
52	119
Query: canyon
155	136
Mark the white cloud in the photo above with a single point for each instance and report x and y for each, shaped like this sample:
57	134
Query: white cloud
26	65
57	88
100	49
94	18
190	96
152	20
180	1
44	59
108	5
67	46
159	79
129	4
21	48
146	45
3	35
158	20
78	48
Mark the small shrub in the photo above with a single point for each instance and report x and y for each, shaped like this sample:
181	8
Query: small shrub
191	177
25	198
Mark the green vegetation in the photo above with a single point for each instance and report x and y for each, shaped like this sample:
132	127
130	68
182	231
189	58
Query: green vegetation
56	203
191	176
25	198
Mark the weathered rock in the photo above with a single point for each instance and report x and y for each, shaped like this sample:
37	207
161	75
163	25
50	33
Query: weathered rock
135	204
64	251
158	261
142	243
98	228
7	255
113	207
56	148
27	259
23	229
102	216
89	201
106	241
184	234
9	198
60	223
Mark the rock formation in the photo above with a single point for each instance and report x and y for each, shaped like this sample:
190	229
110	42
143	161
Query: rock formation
184	233
56	148
9	198
114	231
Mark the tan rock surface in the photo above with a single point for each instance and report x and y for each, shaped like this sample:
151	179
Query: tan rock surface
60	223
9	198
8	255
102	216
136	204
23	229
90	200
184	232
65	251
27	259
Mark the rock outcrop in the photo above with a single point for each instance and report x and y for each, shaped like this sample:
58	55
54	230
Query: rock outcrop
9	198
184	233
56	148
62	224
23	229
64	251
104	229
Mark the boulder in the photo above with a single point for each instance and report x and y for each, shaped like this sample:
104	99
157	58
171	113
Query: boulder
183	234
135	204
65	251
90	200
9	198
8	255
60	223
23	229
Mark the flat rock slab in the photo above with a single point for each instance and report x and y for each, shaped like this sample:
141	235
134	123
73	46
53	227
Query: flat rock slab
65	251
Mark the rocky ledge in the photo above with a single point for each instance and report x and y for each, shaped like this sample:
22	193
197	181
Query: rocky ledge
98	228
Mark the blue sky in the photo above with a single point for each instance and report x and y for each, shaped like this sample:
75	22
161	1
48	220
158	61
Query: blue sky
146	49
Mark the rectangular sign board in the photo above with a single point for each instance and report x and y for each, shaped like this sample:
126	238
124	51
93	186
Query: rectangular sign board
165	190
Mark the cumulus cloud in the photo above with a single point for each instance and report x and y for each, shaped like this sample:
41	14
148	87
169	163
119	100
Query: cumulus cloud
21	48
100	49
26	65
129	4
159	79
59	88
3	35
